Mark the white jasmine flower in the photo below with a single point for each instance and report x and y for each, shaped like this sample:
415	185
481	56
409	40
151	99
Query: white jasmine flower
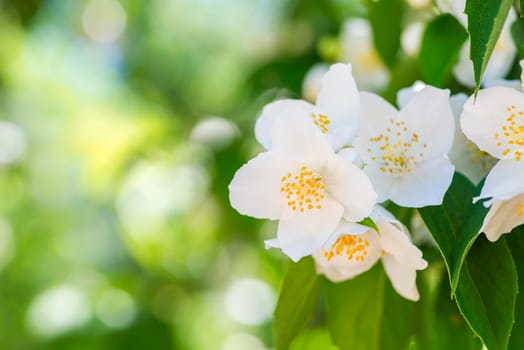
303	184
313	81
495	123
503	54
357	248
358	49
464	155
405	151
336	112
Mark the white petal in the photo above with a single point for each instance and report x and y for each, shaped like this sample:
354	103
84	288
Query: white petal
464	155
429	114
351	187
376	113
404	95
485	121
403	278
338	99
340	267
313	80
255	188
515	84
504	181
503	216
396	243
384	184
275	111
425	185
295	138
306	232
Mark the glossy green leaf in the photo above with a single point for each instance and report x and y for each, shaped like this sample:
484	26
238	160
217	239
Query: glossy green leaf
455	224
440	47
487	290
516	244
485	21
386	20
366	313
297	301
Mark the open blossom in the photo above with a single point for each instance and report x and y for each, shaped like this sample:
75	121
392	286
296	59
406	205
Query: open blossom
357	48
302	183
336	112
495	123
357	248
405	151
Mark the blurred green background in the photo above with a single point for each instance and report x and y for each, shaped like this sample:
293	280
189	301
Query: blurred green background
121	125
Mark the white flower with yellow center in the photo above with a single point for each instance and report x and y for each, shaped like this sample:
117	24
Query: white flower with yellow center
302	183
357	48
464	155
405	152
336	112
357	248
495	123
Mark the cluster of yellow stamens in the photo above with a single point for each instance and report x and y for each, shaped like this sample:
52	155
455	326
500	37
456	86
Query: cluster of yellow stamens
396	148
520	209
321	121
511	135
352	246
303	191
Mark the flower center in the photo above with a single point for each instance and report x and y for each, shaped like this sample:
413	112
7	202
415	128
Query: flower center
511	134
395	149
520	209
354	247
322	121
304	190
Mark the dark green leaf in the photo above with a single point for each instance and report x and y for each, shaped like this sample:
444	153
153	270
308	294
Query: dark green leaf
517	33
455	224
367	313
297	301
487	290
516	243
440	47
485	21
386	20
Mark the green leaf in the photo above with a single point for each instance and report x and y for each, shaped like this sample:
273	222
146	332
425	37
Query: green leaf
487	291
314	339
485	21
455	224
297	301
439	322
385	17
521	8
440	47
517	33
369	223
516	243
366	313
